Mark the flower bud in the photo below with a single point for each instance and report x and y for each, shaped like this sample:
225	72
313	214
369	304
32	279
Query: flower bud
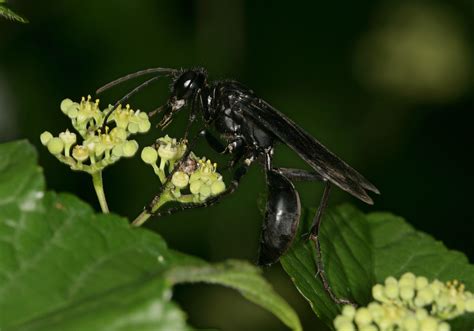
118	134
149	155
391	290
342	322
80	153
45	137
377	292
407	292
470	305
130	148
55	146
421	282
180	179
133	128
363	317
117	151
204	192
68	138
348	311
144	125
167	152
195	186
407	279
65	104
444	327
217	187
428	324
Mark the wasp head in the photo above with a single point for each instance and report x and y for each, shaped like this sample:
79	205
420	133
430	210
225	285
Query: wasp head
184	89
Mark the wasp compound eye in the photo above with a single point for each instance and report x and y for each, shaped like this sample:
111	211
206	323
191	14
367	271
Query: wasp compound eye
187	83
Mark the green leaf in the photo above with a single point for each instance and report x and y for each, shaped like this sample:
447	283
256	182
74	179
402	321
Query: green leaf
244	278
10	14
361	250
63	267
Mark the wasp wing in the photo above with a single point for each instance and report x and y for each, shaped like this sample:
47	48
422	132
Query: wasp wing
328	165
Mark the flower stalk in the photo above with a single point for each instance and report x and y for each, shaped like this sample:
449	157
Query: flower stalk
99	190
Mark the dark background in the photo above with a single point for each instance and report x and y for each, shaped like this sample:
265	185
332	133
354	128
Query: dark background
388	86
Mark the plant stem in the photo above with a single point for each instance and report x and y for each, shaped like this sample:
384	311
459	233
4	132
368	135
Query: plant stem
99	190
145	215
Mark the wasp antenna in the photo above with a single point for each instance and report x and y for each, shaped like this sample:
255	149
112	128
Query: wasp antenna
135	90
164	71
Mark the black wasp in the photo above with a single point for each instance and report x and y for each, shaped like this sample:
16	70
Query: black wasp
250	129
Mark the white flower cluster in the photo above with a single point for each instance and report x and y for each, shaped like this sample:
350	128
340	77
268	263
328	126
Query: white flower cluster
98	149
195	180
408	304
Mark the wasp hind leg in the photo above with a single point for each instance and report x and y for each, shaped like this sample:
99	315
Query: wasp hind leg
313	235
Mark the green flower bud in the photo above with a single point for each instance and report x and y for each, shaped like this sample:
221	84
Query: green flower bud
65	104
80	153
99	149
130	148
391	281
55	146
69	108
421	282
391	290
428	324
195	176
378	292
363	317
342	322
217	187
195	186
144	125
470	305
407	279
368	328
180	179
443	326
410	323
376	310
204	192
45	137
149	155
67	137
167	152
133	128
407	292
425	295
348	311
118	134
421	314
117	151
346	326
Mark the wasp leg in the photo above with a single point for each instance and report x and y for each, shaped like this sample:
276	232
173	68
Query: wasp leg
234	184
192	114
213	141
314	237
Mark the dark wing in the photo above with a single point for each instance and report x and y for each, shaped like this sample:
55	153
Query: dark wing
328	165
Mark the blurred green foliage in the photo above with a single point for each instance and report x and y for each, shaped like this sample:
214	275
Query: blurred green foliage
385	85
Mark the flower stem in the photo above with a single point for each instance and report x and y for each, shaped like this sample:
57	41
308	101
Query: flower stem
145	215
99	190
